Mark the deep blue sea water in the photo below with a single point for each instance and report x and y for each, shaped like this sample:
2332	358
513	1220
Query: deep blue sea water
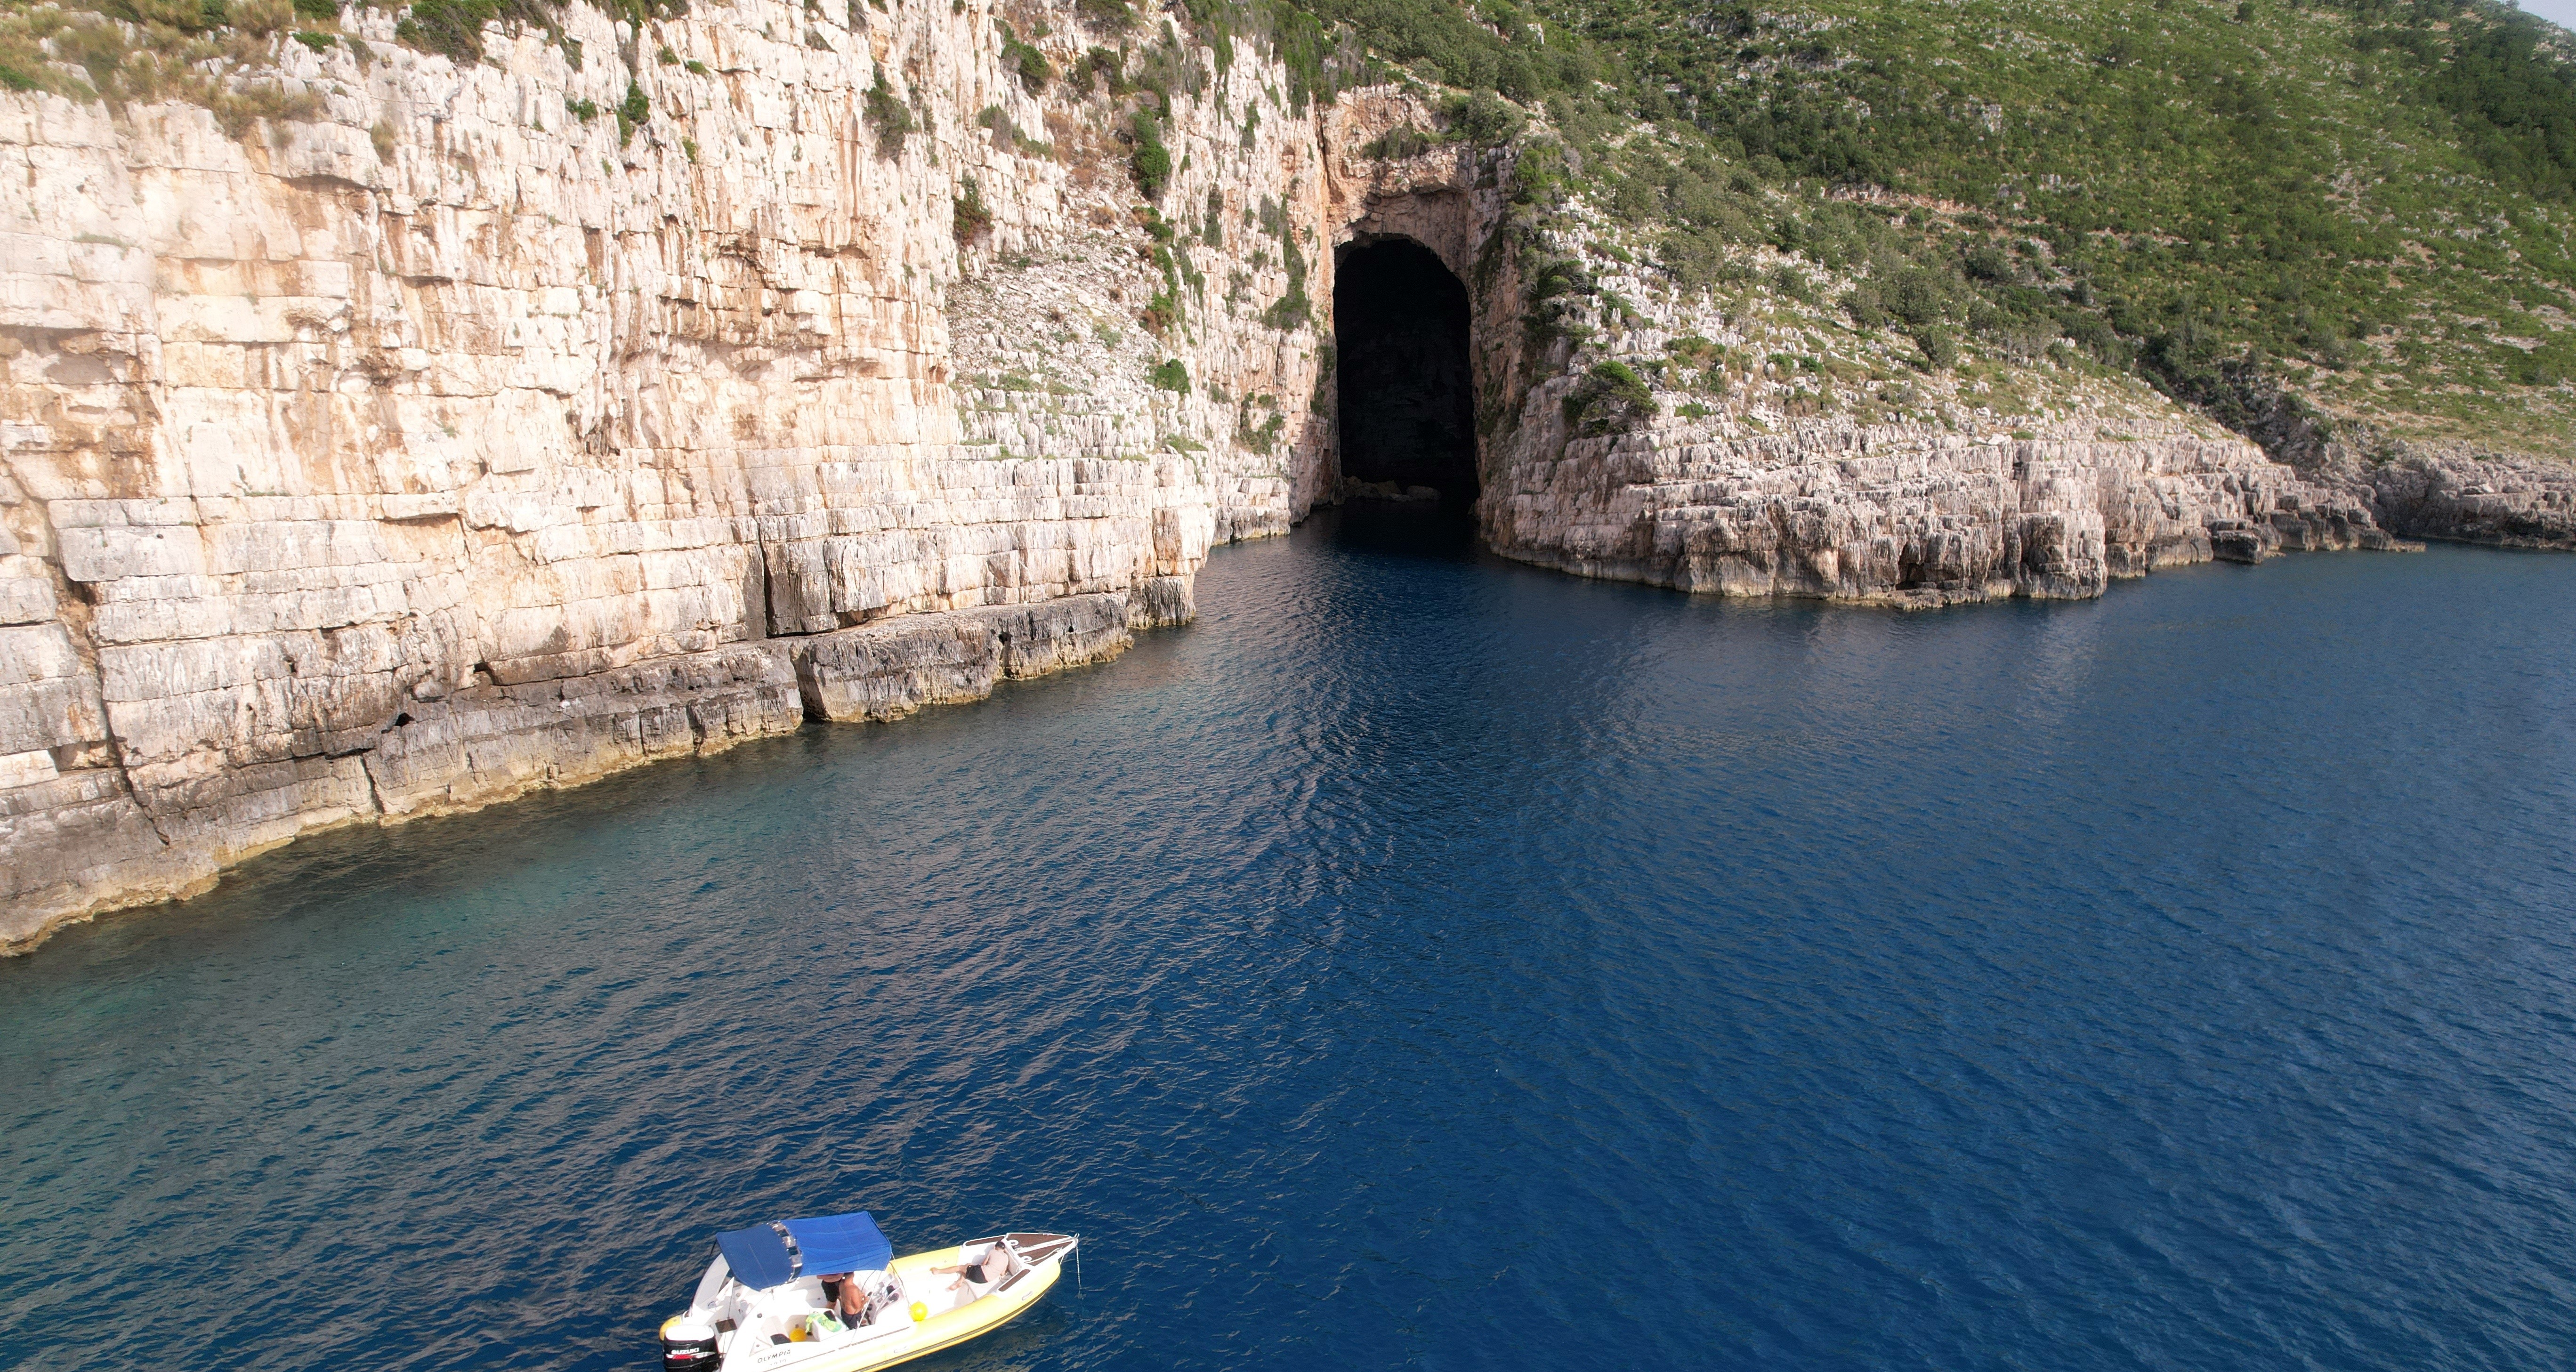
1422	961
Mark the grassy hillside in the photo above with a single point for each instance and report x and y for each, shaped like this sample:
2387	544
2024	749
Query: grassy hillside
2363	202
2361	205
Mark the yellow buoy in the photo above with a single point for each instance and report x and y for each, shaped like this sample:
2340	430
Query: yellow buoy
920	1311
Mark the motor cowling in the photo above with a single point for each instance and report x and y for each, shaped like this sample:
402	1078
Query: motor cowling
689	1345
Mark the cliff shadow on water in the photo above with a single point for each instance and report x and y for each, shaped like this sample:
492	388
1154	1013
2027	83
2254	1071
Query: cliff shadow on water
1408	409
1392	535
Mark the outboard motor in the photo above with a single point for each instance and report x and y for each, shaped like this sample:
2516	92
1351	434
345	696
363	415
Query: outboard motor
689	1345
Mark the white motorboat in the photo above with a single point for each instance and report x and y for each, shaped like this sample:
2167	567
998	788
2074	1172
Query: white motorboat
828	1295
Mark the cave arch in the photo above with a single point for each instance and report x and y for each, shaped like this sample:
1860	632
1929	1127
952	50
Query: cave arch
1403	370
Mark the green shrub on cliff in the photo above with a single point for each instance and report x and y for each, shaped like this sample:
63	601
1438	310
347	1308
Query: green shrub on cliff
1170	375
453	28
1398	143
887	115
187	16
1609	396
1108	16
1152	162
1559	291
1484	119
1212	227
631	113
1031	65
969	217
1101	63
1292	310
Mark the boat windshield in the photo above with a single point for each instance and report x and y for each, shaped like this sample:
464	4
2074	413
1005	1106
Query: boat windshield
710	1284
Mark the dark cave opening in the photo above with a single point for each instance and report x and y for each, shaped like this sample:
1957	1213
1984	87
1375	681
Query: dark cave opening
1407	394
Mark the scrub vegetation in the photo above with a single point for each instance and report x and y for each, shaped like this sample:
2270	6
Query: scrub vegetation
222	54
2353	212
206	51
2357	211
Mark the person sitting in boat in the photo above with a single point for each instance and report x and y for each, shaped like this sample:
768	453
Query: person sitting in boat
997	1263
844	1296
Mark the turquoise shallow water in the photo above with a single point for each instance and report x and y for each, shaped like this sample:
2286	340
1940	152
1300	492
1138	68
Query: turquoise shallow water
1422	961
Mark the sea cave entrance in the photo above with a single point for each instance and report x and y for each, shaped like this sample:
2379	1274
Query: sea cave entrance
1408	406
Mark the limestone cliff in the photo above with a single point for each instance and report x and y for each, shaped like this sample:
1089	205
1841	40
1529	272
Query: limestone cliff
444	444
458	437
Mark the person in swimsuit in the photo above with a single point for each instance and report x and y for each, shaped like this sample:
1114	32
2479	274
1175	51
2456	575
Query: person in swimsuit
843	1296
996	1264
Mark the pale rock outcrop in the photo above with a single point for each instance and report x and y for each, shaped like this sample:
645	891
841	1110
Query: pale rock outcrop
1897	515
892	668
490	742
2507	501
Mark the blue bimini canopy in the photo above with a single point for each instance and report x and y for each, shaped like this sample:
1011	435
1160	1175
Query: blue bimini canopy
780	1251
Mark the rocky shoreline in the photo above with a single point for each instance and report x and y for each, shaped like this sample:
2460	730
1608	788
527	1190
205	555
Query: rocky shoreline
487	743
1921	520
2498	500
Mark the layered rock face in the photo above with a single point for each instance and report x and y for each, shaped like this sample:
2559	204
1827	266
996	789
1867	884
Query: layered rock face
1897	515
2510	502
449	445
489	742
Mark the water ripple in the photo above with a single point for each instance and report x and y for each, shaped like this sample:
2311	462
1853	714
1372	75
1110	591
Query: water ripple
1423	960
